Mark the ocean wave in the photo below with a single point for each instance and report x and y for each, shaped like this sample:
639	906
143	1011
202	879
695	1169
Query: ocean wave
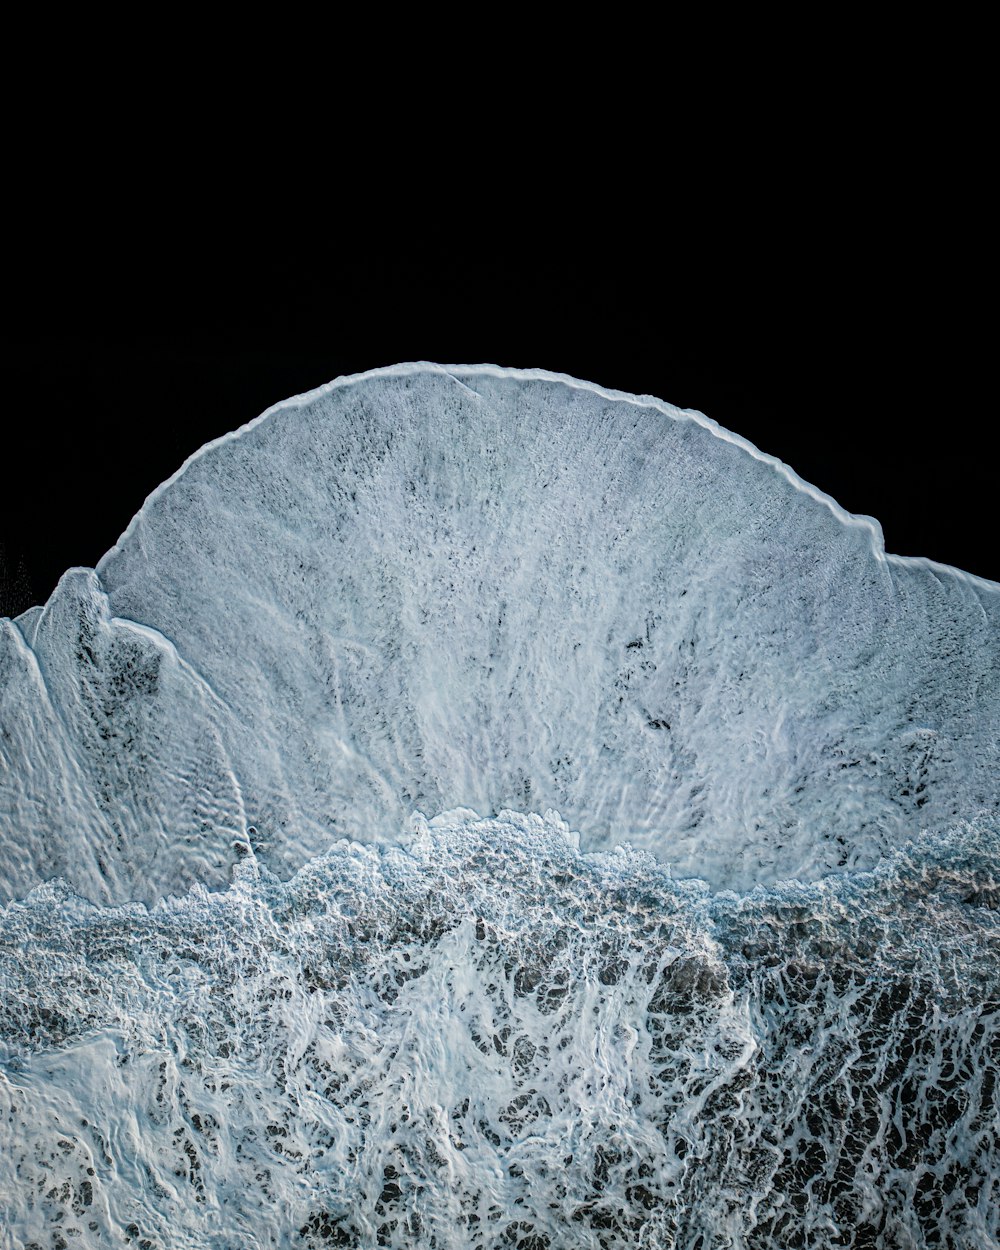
483	1036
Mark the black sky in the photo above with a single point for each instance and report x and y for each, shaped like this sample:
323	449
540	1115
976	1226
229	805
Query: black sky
857	361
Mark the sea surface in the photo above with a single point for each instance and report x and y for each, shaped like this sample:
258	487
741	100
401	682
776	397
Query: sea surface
472	808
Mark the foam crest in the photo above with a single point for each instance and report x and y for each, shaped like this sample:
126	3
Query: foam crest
436	588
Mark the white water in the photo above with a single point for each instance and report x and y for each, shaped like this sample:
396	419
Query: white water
428	588
490	1039
435	589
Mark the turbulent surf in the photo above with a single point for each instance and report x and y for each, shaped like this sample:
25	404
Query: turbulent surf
742	991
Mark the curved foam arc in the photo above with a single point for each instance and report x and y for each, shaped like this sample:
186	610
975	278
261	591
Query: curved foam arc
373	601
544	375
455	372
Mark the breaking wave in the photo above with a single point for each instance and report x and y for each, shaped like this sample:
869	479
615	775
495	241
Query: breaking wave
486	1038
248	1001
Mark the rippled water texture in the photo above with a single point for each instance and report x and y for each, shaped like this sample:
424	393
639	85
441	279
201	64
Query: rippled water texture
249	999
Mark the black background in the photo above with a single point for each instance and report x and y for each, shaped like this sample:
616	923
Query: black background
847	340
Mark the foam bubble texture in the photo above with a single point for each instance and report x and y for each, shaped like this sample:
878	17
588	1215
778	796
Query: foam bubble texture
772	1020
490	1039
431	588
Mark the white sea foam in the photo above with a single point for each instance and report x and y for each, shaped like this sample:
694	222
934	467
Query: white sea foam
429	587
489	1039
462	590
